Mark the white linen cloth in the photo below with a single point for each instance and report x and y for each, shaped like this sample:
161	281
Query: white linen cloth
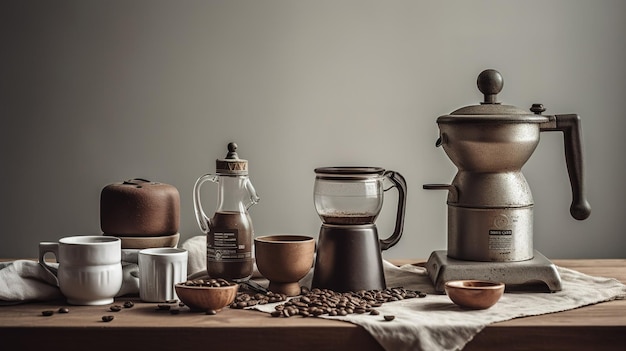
434	322
430	323
24	281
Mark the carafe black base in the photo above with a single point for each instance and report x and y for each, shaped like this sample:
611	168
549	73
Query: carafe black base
348	259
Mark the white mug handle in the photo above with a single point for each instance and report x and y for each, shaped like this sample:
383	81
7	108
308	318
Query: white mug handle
44	248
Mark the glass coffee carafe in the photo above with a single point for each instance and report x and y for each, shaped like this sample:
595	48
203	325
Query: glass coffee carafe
229	232
348	201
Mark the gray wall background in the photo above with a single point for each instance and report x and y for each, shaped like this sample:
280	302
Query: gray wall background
95	92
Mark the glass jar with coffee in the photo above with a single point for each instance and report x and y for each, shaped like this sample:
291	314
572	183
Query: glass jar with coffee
229	232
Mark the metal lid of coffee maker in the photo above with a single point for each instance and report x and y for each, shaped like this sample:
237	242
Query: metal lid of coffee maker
490	83
348	173
232	164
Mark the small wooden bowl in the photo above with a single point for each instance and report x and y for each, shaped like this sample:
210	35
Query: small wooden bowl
206	298
474	294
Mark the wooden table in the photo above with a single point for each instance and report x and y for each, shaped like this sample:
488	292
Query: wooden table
596	327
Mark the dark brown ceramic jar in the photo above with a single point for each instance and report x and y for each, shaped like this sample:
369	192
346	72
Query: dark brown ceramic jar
139	207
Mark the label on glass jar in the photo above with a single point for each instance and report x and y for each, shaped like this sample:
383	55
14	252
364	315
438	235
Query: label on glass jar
223	245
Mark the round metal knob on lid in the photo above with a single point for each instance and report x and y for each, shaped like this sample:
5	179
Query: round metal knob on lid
490	83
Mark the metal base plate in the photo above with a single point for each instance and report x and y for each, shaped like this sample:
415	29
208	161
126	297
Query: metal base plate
536	274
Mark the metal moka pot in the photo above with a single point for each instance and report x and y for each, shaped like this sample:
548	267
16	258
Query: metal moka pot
490	204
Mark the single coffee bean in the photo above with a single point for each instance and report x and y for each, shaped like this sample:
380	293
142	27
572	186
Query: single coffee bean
211	312
129	304
47	313
64	310
115	308
107	318
276	313
374	312
389	317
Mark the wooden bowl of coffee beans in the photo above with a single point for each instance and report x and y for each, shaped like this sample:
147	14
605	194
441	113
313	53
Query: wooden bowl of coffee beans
208	295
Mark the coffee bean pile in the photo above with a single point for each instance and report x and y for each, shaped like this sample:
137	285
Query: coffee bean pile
317	302
215	283
243	299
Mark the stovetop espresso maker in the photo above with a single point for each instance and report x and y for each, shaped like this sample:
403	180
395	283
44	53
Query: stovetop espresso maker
490	205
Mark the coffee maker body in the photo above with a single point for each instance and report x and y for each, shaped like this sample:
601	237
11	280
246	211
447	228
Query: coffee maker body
348	201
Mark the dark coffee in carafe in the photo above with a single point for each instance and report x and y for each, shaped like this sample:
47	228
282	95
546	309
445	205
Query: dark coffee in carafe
229	249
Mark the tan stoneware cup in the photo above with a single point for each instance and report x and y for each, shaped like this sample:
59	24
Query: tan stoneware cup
474	294
284	259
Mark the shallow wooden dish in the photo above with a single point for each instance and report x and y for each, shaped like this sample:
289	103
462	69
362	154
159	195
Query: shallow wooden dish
474	294
206	298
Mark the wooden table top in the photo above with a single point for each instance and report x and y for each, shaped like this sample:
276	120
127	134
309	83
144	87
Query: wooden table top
601	326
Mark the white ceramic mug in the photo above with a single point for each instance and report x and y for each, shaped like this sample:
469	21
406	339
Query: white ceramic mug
159	270
90	268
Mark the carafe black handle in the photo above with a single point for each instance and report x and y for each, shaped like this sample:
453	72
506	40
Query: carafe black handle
399	183
571	127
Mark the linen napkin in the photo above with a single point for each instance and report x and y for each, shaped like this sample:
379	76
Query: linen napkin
26	281
434	322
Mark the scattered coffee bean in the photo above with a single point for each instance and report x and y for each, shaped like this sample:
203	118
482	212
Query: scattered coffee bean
374	312
276	313
115	308
389	317
64	310
129	304
211	312
107	318
243	299
47	313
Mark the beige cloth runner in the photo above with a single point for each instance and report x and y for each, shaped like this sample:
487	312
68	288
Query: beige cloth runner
434	322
